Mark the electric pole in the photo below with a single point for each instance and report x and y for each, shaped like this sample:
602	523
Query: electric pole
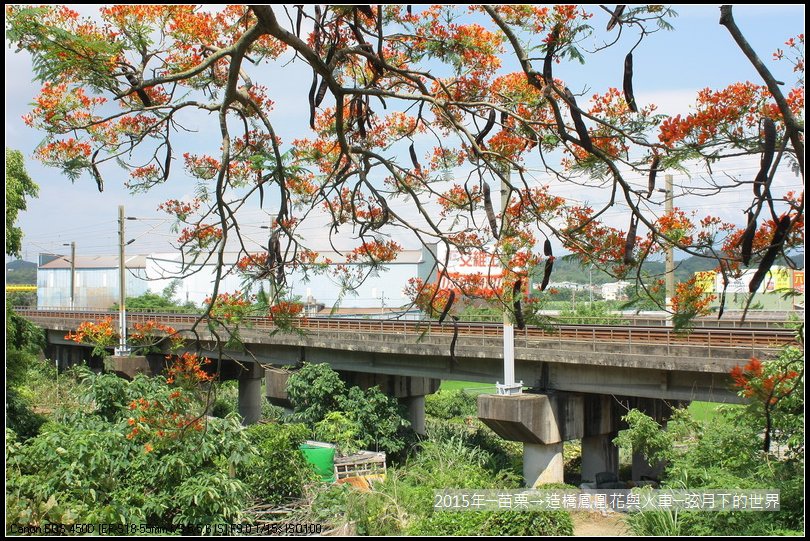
122	349
72	275
669	270
509	386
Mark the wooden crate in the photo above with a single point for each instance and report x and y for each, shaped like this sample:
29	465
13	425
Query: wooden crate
366	464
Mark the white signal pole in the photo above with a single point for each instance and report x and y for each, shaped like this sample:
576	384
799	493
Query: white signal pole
509	386
122	349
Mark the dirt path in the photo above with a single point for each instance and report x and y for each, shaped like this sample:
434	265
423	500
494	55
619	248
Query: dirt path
598	525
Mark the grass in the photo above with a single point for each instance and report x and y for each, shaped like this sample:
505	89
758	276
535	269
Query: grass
470	387
705	411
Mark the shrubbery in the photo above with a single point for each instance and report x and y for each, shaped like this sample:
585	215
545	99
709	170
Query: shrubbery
450	404
142	452
729	455
368	418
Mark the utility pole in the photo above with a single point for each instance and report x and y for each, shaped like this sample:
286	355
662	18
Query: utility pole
122	349
509	386
72	274
669	270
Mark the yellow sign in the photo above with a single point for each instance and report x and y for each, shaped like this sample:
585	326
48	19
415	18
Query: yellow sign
20	287
778	279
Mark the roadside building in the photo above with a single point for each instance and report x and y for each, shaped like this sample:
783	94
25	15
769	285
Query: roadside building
95	281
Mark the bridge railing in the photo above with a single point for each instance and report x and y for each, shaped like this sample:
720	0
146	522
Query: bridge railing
712	341
755	319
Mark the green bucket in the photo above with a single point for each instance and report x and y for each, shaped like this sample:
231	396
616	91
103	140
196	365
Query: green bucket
322	460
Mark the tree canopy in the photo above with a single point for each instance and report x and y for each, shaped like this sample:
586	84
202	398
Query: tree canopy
400	98
18	186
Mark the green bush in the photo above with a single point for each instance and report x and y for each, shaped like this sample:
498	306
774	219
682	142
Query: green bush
726	454
450	404
314	391
495	523
277	471
380	418
96	467
222	407
341	429
19	416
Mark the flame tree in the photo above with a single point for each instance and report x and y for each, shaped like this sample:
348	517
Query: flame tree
399	95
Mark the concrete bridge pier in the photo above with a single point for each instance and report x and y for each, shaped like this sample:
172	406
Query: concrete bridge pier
599	454
249	401
660	411
416	412
542	422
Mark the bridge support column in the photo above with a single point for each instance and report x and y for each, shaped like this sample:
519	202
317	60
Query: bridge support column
599	455
249	401
127	366
601	425
275	387
416	412
542	464
542	422
660	411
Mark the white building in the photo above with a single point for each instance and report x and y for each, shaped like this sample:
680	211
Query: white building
615	291
97	278
95	281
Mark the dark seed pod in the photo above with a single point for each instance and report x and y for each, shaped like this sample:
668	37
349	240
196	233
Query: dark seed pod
298	20
653	172
616	17
479	140
747	240
547	248
312	99
547	273
490	211
321	93
273	246
96	173
413	158
409	9
504	118
769	143
628	83
582	131
779	236
447	306
551	47
630	241
361	122
516	293
167	163
768	148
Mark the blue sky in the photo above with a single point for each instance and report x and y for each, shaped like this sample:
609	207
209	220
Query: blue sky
669	68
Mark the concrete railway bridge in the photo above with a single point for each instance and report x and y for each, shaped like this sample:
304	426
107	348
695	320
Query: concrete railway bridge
580	378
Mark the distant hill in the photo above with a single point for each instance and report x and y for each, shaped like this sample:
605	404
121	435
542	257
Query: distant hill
570	270
21	272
